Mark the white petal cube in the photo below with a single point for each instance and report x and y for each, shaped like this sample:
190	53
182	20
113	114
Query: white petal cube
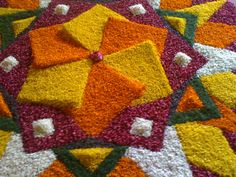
182	59
43	127
9	63
44	3
141	127
62	9
137	9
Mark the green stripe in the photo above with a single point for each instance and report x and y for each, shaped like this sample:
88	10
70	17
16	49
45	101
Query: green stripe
110	162
6	29
209	111
191	23
7	124
79	170
71	163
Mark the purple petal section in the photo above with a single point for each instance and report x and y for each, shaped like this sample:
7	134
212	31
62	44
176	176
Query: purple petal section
231	137
3	3
66	131
119	130
196	2
13	80
200	172
226	14
176	74
233	2
232	46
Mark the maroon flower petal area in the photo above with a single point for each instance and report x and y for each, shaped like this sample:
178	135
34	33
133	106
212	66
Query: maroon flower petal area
232	46
200	172
14	79
196	2
119	130
231	137
65	129
226	14
3	3
176	74
77	7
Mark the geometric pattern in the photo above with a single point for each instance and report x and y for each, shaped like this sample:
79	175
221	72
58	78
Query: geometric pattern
91	26
6	28
78	169
45	39
96	111
208	111
51	91
154	78
214	153
189	28
203	11
99	90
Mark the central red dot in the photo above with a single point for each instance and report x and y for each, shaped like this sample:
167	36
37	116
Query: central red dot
96	56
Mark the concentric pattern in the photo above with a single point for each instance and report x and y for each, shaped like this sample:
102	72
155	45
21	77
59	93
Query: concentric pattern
117	88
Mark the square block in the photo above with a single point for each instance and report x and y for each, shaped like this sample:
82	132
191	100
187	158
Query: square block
61	9
43	127
137	9
182	59
9	63
141	127
44	3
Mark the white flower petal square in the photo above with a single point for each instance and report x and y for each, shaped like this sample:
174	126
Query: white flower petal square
137	9
141	127
182	59
44	3
61	9
43	127
9	63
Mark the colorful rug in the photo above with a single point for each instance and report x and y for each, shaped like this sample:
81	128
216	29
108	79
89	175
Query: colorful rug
118	88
